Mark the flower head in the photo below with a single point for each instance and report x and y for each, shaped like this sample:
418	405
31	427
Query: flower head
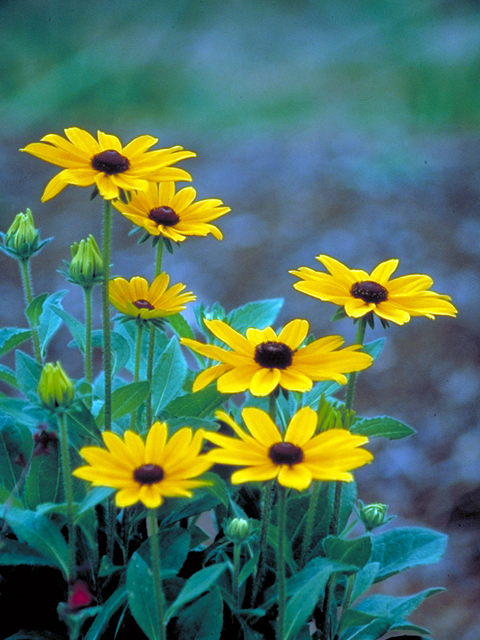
296	458
360	293
138	299
261	361
55	389
105	163
147	471
162	212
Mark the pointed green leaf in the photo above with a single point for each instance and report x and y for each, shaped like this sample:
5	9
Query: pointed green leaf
11	337
13	553
174	546
364	579
374	348
141	596
28	374
393	607
259	314
34	310
44	481
49	321
109	608
94	496
15	440
201	404
8	376
202	620
82	428
168	376
181	326
195	586
355	552
75	327
125	400
382	427
21	411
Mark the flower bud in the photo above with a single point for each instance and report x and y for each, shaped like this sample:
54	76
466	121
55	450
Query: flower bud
86	267
373	515
238	530
21	238
55	388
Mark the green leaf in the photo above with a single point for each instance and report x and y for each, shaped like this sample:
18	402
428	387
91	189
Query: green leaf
44	481
15	440
181	326
168	376
34	310
392	607
400	549
75	327
41	534
189	507
202	620
141	596
354	552
174	546
8	376
259	314
19	411
109	608
307	588
218	488
28	374
364	579
93	497
82	428
201	404
125	400
13	553
120	348
382	427
195	586
11	337
49	321
374	348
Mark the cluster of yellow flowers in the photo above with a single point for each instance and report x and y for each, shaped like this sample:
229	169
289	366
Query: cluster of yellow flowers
140	183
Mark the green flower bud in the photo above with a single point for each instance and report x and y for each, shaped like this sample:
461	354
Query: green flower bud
238	530
55	388
373	515
22	238
86	267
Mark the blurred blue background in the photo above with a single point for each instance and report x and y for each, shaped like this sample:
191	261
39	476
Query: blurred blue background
348	128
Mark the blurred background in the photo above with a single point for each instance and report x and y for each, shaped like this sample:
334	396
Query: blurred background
347	128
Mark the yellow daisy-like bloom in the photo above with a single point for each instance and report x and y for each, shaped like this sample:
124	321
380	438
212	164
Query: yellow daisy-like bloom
162	212
261	361
106	163
148	471
360	293
296	458
139	299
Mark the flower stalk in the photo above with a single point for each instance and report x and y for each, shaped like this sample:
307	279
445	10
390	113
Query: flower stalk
67	480
157	575
27	290
281	575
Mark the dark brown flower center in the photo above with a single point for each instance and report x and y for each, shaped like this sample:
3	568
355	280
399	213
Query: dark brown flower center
164	215
148	474
273	355
143	304
285	453
369	291
110	162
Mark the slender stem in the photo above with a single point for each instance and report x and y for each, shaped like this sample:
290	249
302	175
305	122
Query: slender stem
107	343
261	568
27	290
136	375
312	507
281	575
157	576
151	341
88	334
67	479
236	571
352	378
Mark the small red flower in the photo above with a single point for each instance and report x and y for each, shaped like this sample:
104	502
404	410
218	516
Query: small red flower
80	596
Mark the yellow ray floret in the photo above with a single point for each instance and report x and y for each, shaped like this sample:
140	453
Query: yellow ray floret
162	212
139	299
147	471
360	293
106	163
295	459
262	360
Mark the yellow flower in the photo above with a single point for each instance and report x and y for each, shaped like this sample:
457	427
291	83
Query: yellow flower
147	471
261	361
139	299
106	163
296	458
360	293
162	212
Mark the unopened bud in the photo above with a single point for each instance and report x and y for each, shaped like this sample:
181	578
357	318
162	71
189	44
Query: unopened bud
22	238
373	515
55	388
238	530
86	267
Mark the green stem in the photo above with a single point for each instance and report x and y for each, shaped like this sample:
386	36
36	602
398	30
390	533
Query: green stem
151	340
88	334
67	480
312	507
136	375
261	568
157	576
352	378
27	290
281	575
236	571
107	342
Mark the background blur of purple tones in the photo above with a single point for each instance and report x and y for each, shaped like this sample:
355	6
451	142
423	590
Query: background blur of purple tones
350	130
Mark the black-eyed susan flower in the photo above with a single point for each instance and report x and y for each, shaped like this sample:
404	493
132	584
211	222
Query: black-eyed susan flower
163	212
147	471
295	459
360	293
138	299
262	361
105	163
